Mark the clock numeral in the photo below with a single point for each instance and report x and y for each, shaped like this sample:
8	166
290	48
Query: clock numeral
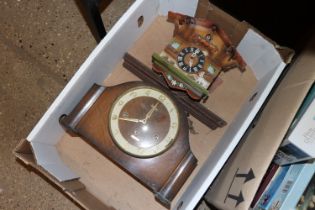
199	66
169	143
162	98
179	58
120	103
148	92
174	125
125	114
133	94
181	64
115	117
156	137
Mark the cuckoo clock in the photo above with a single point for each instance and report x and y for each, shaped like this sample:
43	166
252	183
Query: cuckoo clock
198	52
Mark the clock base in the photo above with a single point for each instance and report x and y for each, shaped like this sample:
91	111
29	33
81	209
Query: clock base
167	193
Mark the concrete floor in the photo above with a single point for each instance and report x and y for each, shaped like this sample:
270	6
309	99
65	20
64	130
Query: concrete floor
42	44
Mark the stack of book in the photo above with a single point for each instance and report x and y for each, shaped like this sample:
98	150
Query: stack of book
285	188
289	181
299	142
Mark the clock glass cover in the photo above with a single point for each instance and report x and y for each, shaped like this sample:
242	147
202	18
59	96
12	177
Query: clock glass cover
144	122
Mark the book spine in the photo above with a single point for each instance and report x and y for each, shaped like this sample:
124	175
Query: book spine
290	153
267	179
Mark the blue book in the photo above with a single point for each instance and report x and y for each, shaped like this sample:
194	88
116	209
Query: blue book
294	185
267	197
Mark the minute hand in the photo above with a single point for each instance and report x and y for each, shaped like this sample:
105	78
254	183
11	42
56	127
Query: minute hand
131	119
148	115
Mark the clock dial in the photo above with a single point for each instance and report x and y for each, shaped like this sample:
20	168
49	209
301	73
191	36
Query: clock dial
191	59
144	122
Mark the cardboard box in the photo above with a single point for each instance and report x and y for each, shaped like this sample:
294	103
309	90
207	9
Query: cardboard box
93	181
232	189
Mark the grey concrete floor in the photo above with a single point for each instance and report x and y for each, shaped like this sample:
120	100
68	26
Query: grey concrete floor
42	44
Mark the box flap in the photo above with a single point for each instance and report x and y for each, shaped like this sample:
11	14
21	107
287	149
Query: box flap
23	147
256	152
231	26
47	156
178	6
73	189
60	171
259	54
236	29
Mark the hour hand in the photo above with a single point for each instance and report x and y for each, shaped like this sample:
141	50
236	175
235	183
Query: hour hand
131	119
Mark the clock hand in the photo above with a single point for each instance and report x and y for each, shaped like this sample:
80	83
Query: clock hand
148	115
191	62
132	120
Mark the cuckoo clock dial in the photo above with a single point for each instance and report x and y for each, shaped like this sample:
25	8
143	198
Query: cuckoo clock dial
191	59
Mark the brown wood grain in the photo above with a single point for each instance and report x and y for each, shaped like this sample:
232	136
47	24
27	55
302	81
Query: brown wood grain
154	173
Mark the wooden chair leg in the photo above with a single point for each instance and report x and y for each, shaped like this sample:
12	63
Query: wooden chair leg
91	13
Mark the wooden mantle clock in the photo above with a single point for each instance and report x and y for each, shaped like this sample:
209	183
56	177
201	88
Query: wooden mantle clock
141	129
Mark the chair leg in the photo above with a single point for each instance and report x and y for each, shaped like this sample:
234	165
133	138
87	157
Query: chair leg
92	15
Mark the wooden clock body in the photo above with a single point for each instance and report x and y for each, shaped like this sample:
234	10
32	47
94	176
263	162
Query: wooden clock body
164	173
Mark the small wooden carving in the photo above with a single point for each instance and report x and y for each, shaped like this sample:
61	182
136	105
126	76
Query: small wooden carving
141	129
195	57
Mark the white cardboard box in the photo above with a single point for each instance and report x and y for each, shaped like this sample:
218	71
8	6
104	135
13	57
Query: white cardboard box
93	181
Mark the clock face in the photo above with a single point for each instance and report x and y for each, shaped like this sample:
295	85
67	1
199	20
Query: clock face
144	122
191	59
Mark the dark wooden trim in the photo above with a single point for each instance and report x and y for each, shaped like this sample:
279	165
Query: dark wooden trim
193	107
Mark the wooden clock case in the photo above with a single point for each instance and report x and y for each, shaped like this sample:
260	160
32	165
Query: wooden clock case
215	54
163	174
